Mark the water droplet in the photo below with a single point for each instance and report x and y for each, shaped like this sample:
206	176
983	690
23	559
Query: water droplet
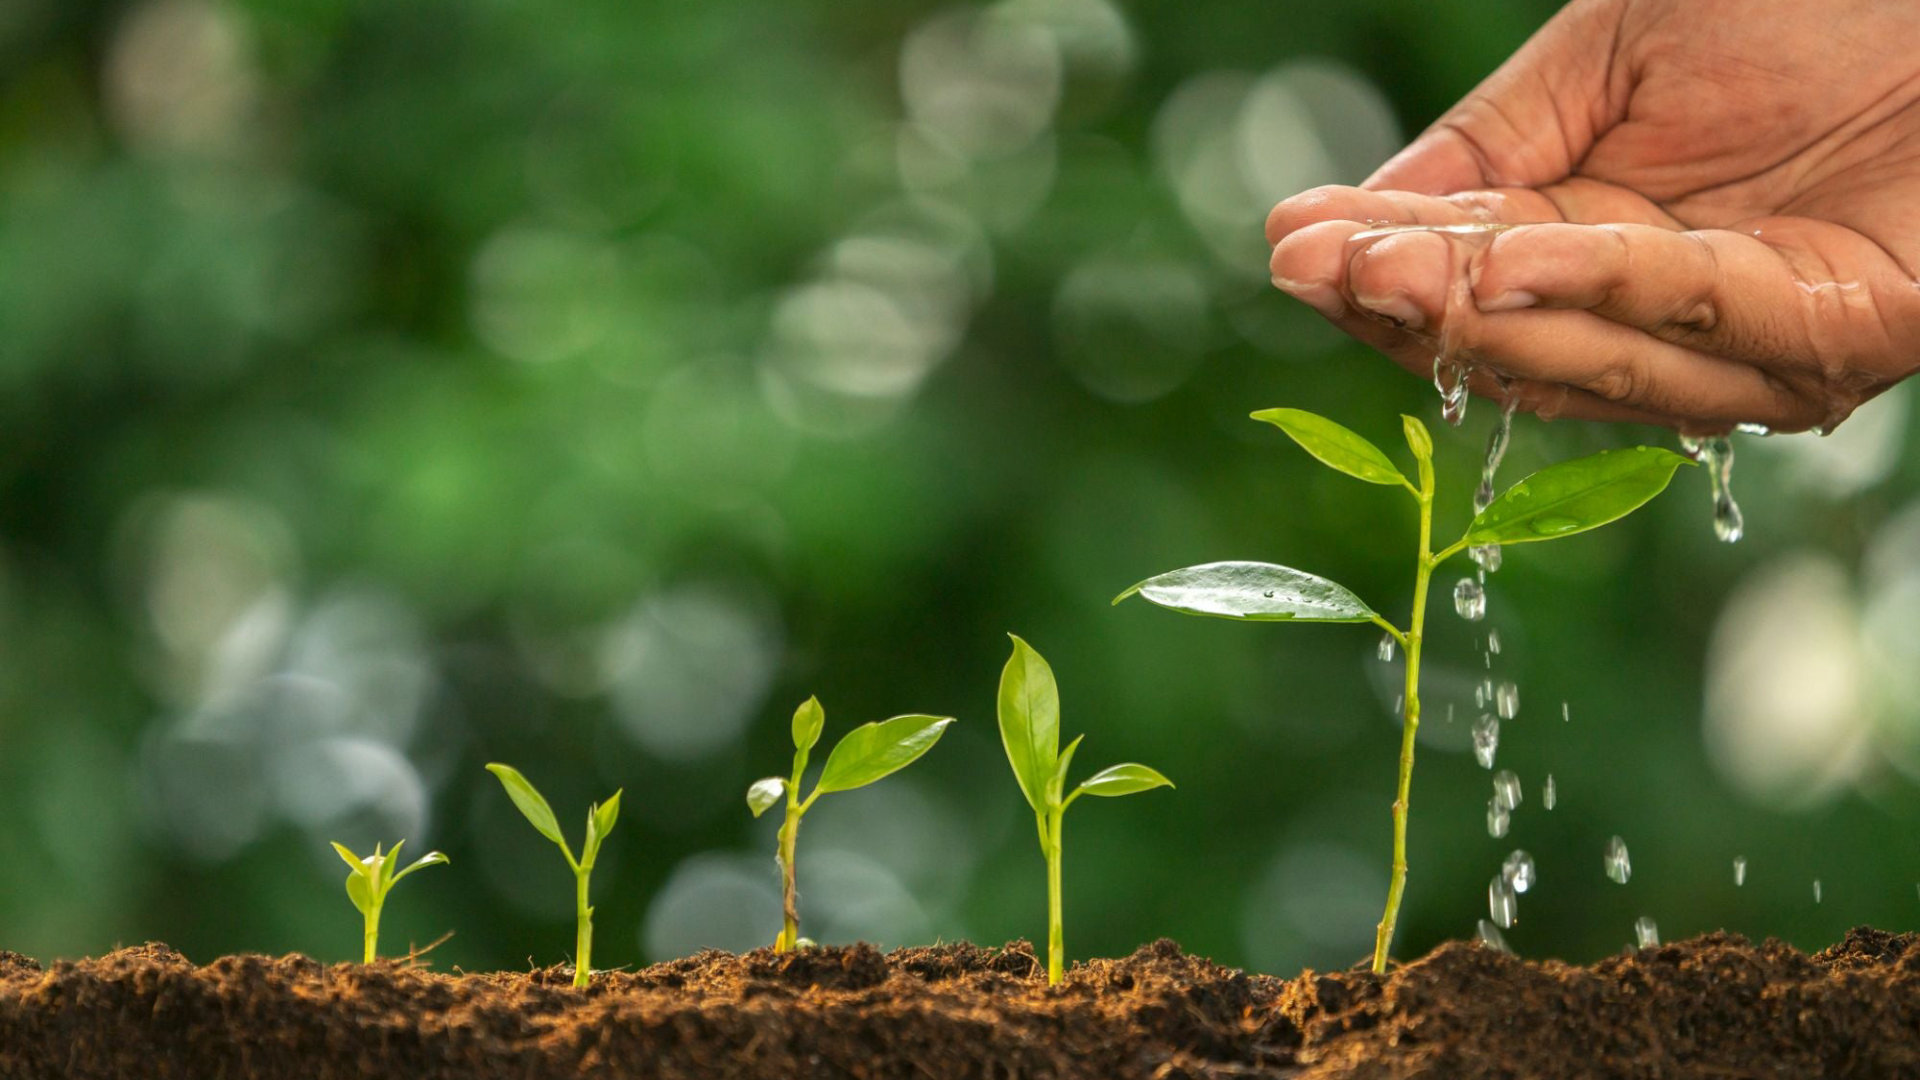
1450	378
1486	739
1470	600
1739	870
1491	937
1506	790
1816	890
1399	704
1518	870
1761	430
1506	701
1716	453
1565	715
1646	932
1386	646
1502	904
1493	642
1553	525
1619	867
1487	557
1499	817
1547	795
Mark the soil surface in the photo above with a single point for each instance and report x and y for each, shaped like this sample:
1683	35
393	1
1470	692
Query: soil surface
1715	1006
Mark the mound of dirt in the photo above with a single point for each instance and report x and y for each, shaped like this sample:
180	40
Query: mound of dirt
1714	1006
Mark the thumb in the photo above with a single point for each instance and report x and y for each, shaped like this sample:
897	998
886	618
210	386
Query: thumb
1531	122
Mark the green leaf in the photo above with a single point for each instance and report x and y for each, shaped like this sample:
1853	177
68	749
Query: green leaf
765	792
807	722
1575	496
387	863
1057	787
431	858
1029	708
530	802
1261	592
1127	779
606	814
359	866
360	891
871	751
1418	440
1334	445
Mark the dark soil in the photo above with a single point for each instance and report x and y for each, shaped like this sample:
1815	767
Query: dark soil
1715	1006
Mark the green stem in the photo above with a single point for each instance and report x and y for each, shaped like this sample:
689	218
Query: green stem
372	939
583	939
789	832
1056	935
1410	724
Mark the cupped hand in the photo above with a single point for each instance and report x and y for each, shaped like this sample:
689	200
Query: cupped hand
1714	210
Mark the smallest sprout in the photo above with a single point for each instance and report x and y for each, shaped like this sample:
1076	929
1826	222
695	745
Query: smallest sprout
371	879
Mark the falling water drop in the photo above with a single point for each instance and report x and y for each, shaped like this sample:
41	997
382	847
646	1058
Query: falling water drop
1646	932
1816	890
1619	867
1547	793
1502	904
1470	600
1739	870
1565	715
1386	647
1499	817
1716	453
1450	378
1493	642
1486	739
1506	790
1491	937
1487	557
1518	870
1506	701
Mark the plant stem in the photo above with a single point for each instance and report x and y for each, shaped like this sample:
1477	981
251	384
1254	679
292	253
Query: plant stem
1056	934
790	929
583	939
372	935
1410	724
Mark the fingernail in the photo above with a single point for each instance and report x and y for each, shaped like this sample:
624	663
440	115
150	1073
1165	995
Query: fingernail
1321	298
1396	306
1511	300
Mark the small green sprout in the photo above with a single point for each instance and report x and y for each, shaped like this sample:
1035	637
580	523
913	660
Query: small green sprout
1029	709
1559	500
600	819
865	754
371	879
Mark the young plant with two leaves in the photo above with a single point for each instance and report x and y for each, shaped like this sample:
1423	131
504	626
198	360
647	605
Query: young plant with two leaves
370	879
865	754
600	819
1558	501
1029	707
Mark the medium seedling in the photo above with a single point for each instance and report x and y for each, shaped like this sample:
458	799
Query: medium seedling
1558	501
600	819
865	754
1029	707
371	879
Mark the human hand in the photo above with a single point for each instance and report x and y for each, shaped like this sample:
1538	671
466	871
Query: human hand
1716	211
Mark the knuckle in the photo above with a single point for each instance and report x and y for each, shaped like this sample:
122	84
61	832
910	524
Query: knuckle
1623	380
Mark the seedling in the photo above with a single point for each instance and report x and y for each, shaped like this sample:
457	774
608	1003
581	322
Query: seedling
864	755
1029	708
600	819
370	881
1559	500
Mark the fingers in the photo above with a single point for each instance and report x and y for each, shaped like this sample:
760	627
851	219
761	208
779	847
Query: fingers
1577	200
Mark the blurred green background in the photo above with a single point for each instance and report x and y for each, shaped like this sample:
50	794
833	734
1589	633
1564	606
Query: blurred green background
387	388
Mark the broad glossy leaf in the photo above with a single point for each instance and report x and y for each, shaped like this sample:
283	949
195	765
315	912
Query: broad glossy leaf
431	858
871	751
1261	592
1124	779
1418	440
1575	496
357	864
1029	709
360	891
807	722
1335	446
765	792
531	802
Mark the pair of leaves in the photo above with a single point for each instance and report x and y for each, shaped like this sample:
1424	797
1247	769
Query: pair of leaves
371	877
1559	500
865	754
1029	712
533	806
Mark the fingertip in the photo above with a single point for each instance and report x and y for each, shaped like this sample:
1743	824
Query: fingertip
1309	265
1329	202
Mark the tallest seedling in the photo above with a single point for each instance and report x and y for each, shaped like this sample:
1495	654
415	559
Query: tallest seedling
1557	501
